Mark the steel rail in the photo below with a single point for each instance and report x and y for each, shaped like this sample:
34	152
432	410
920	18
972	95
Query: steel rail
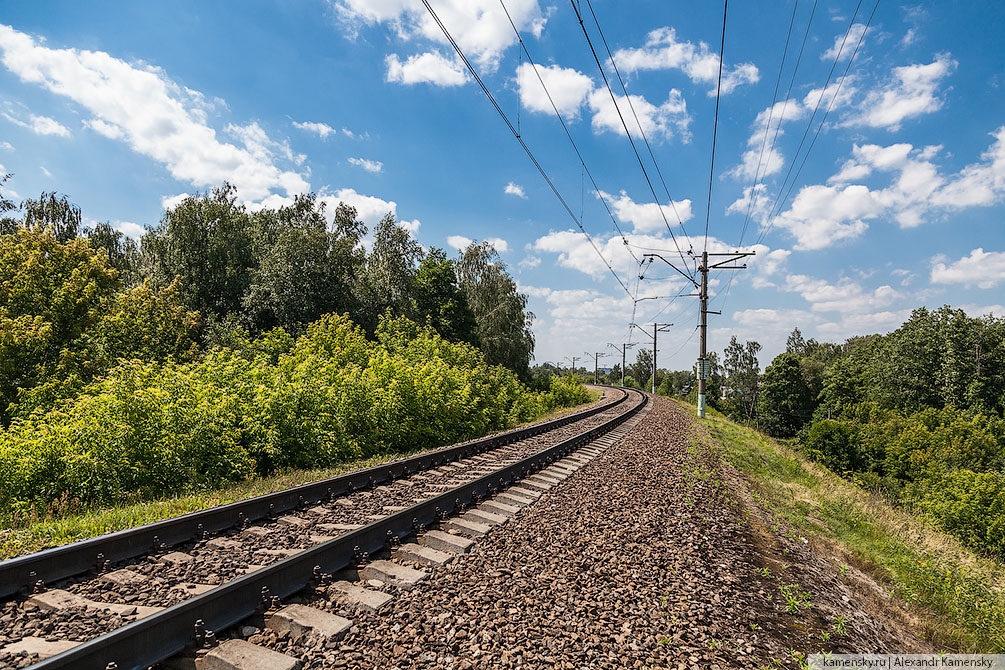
159	636
20	574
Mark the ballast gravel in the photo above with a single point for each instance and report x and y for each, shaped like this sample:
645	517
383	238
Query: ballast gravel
644	558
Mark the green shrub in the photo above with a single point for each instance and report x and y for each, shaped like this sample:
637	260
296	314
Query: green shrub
970	505
836	445
149	429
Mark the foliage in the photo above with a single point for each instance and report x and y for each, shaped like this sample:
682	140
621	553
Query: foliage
207	243
302	268
151	428
786	398
57	215
955	592
642	369
8	224
836	445
123	252
391	268
50	294
742	378
928	459
968	504
502	322
441	302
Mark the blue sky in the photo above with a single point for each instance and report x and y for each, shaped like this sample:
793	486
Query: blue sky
127	106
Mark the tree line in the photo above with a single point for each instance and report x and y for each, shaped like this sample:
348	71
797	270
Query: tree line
917	414
228	344
211	272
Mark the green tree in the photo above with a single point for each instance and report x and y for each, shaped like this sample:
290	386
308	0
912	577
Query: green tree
795	344
391	268
123	252
837	446
440	300
206	241
501	320
53	213
303	269
144	323
642	368
8	224
786	402
742	371
845	382
903	374
50	293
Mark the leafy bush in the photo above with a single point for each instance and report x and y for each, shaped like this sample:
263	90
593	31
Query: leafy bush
153	428
970	505
947	461
836	445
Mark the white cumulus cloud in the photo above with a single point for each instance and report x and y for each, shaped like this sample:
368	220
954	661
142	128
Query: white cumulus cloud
822	214
515	189
663	51
40	125
647	217
426	68
911	92
322	130
368	165
480	27
843	47
985	269
568	88
459	242
155	116
658	122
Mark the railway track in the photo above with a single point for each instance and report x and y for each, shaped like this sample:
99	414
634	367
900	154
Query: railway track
134	598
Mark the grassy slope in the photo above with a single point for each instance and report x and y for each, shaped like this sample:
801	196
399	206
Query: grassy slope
35	534
957	596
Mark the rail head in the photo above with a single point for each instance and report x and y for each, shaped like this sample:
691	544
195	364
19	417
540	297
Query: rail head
159	636
57	563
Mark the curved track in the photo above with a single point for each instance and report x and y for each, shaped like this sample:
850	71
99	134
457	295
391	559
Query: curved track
161	600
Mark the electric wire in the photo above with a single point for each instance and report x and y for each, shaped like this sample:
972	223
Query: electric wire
516	134
715	124
638	123
774	140
767	126
565	127
816	107
823	119
638	157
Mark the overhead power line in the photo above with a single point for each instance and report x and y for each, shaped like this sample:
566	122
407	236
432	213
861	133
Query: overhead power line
771	111
568	133
715	123
823	119
809	124
631	141
774	137
516	134
638	123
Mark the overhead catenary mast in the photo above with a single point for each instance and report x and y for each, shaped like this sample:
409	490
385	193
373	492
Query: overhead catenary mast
657	328
623	348
596	358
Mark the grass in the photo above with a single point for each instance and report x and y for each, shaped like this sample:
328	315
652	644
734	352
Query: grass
32	534
958	596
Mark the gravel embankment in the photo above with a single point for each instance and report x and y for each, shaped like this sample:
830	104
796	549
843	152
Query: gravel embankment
644	558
